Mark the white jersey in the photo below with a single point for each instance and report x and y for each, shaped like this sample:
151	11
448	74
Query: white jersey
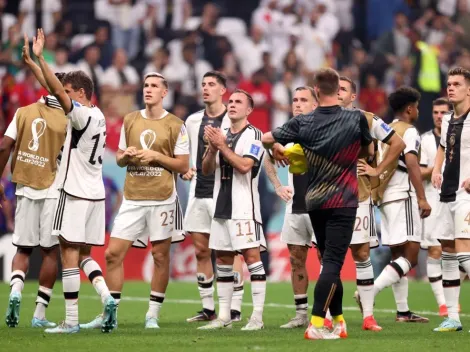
236	195
202	186
81	167
25	191
455	139
399	186
429	143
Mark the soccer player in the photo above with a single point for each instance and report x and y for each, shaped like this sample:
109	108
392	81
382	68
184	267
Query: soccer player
453	209
79	217
429	145
332	139
37	133
154	148
235	156
199	212
402	201
365	235
297	231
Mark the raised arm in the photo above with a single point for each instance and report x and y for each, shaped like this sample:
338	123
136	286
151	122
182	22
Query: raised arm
32	65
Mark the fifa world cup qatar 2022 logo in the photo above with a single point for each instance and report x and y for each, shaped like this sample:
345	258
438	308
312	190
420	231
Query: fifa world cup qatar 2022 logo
147	138
38	127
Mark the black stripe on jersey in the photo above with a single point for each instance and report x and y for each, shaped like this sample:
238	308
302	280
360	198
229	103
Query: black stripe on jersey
254	170
223	205
451	176
205	183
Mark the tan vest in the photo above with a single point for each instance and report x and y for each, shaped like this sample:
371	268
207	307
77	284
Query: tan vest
40	135
400	128
366	183
150	182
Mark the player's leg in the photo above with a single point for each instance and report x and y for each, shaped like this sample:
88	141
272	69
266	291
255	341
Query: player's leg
238	291
434	272
159	283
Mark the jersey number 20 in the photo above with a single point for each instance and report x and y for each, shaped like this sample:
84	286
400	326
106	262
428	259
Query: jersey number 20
96	137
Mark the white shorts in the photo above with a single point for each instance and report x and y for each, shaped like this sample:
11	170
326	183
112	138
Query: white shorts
364	227
234	235
429	225
401	222
297	230
198	217
139	224
79	221
453	220
33	222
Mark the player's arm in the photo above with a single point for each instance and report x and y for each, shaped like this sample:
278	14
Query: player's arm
55	87
436	177
124	154
285	134
208	161
426	171
32	65
367	142
284	192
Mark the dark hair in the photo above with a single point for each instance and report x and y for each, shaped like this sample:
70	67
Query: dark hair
403	97
79	80
310	89
351	82
249	97
60	76
158	75
327	81
460	71
219	77
442	101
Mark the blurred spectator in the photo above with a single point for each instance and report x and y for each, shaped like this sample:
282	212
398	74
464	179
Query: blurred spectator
26	92
120	83
381	16
252	47
90	65
260	89
293	64
113	125
10	55
267	68
64	31
372	97
6	21
180	108
62	63
112	202
282	95
103	43
463	21
39	14
169	16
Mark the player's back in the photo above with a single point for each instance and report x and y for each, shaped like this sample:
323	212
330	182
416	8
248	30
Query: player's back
81	169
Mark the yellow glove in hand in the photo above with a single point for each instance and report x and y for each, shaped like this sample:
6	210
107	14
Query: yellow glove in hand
297	160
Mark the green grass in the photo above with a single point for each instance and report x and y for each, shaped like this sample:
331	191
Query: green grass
182	301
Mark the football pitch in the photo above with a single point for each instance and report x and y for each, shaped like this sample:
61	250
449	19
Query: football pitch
182	301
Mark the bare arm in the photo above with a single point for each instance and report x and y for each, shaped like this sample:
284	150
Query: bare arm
271	172
436	176
32	65
208	162
426	172
179	164
268	140
414	173
241	164
397	145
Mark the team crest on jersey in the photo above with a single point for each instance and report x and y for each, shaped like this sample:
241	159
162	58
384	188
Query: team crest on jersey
38	127
452	140
147	138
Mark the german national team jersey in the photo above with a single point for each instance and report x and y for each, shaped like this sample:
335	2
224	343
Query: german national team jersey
429	144
455	138
331	138
202	186
236	195
80	172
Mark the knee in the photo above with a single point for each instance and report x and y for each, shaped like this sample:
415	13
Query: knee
113	257
202	252
160	259
435	252
297	258
360	255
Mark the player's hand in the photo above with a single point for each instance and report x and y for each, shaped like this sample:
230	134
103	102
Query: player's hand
215	136
436	180
424	208
278	155
38	42
26	55
189	175
285	193
146	156
364	169
130	152
466	185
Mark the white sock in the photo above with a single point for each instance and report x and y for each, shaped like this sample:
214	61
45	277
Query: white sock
155	303
71	286
451	284
301	305
42	301
225	291
206	291
464	261
238	291
400	292
365	286
258	289
391	274
17	281
434	271
93	271
463	274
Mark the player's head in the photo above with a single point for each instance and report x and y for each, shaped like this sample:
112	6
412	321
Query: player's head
326	82
347	92
78	86
458	85
155	88
214	86
240	105
440	107
404	102
60	76
304	100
